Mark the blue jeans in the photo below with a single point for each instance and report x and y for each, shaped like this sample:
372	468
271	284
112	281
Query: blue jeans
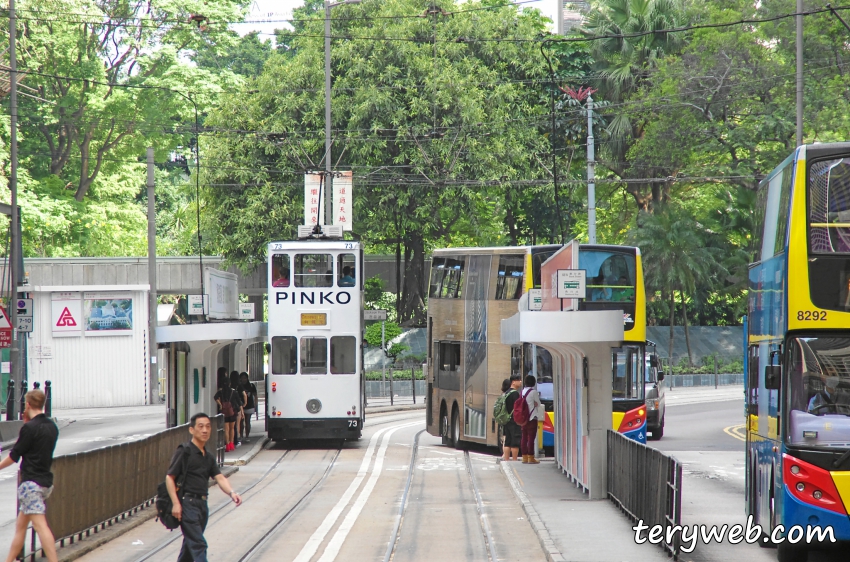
195	515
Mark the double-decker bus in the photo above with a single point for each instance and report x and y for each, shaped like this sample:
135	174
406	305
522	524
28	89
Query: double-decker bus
315	387
472	290
797	361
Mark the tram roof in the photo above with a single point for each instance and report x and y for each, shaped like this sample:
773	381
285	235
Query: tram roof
514	249
313	244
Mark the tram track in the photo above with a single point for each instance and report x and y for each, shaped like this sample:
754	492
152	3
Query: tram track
486	532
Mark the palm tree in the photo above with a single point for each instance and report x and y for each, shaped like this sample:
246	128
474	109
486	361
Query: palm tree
676	259
624	63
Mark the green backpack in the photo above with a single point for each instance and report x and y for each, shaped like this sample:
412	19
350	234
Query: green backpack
500	411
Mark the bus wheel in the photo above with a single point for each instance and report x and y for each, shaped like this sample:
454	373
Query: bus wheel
455	429
444	425
791	553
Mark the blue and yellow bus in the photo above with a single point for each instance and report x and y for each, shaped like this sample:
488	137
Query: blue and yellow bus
797	361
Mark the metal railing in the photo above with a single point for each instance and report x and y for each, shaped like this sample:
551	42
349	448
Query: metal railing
646	484
96	489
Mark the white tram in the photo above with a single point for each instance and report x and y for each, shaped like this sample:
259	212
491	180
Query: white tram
315	386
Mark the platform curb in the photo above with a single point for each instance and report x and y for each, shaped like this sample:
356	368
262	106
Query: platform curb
549	547
256	447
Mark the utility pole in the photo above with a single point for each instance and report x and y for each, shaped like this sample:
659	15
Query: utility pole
799	18
591	176
329	215
328	174
15	243
153	375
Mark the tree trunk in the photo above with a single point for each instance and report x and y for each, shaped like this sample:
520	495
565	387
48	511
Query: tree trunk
687	335
412	309
672	320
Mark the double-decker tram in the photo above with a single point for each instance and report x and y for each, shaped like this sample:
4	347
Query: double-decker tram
472	290
797	361
315	385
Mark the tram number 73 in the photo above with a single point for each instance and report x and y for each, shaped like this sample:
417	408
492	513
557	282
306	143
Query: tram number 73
353	424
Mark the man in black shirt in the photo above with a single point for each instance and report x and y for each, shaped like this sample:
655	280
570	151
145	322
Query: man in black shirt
192	511
36	442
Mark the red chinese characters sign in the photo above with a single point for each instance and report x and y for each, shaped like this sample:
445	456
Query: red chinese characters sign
342	199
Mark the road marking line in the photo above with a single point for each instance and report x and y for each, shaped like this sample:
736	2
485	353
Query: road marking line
318	536
336	542
733	431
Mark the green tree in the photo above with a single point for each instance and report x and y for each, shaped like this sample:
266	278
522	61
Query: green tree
391	331
676	259
243	55
439	116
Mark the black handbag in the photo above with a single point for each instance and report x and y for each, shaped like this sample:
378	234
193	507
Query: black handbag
163	502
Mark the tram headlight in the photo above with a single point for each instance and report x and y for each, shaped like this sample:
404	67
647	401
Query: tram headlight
314	406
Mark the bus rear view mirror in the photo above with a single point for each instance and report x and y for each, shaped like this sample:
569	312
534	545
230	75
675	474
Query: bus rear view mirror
772	377
660	376
653	361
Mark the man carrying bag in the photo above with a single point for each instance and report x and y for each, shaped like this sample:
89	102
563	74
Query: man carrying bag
191	510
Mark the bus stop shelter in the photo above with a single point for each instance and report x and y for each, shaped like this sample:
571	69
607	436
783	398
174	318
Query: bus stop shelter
580	343
189	356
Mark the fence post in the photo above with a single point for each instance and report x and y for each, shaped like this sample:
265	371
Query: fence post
36	385
413	383
10	401
715	372
23	398
48	399
391	387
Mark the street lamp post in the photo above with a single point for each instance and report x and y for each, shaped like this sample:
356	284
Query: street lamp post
328	164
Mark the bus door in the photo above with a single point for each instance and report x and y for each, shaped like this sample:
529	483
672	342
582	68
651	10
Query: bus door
628	393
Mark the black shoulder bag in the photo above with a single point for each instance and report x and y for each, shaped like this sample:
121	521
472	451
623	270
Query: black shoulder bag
163	502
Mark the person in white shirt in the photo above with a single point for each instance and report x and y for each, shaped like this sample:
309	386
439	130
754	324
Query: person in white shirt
536	413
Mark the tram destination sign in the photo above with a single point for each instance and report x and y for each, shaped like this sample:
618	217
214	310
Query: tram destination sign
374	315
572	284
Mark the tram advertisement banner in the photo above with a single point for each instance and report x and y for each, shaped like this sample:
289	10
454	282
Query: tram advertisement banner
314	197
342	199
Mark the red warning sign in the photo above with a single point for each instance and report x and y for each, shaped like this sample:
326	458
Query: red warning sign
5	329
66	319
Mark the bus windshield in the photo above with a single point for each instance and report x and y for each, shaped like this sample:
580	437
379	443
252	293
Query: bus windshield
819	391
610	275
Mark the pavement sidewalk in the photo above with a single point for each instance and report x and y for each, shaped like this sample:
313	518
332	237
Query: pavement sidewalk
571	527
683	395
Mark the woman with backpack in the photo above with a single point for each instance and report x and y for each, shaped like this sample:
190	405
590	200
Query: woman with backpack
505	407
225	406
535	414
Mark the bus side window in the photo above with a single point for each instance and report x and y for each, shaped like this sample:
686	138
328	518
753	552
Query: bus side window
618	367
346	270
343	355
280	270
753	382
284	355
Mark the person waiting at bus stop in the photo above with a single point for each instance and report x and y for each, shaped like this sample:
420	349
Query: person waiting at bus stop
513	432
536	413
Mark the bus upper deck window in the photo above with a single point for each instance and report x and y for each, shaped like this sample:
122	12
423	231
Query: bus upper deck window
346	270
314	355
829	210
343	355
280	270
314	270
509	279
284	355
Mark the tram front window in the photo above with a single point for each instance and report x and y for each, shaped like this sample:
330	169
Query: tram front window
284	355
818	397
314	356
314	270
280	270
343	355
346	270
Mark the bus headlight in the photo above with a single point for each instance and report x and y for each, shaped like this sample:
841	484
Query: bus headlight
652	404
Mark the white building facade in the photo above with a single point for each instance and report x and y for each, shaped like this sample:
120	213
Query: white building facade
90	341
